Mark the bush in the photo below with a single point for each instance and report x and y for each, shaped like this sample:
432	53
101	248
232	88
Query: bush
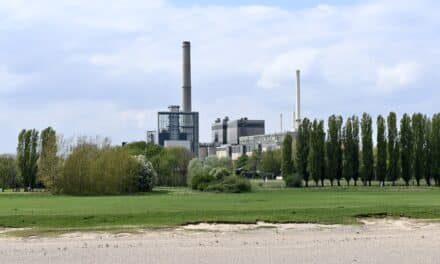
236	184
230	184
198	175
293	180
219	173
91	169
146	176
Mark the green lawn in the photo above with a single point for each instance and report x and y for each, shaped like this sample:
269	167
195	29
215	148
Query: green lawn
176	206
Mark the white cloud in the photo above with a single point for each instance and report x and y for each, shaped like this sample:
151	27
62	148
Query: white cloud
399	76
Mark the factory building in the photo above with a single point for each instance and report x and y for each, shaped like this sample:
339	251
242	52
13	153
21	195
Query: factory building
226	136
180	128
231	139
243	127
220	131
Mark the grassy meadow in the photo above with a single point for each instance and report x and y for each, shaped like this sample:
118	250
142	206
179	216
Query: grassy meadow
167	207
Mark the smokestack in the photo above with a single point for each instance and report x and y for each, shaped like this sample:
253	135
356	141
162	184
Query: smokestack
186	81
281	122
298	100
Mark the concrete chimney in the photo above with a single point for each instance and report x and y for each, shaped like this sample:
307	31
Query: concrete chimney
298	100
186	77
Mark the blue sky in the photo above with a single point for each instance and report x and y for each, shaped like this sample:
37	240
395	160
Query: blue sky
105	67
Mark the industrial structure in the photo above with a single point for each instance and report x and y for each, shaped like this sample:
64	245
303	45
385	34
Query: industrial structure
179	126
176	128
231	139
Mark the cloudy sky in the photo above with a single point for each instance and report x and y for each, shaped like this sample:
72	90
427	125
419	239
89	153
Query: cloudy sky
105	67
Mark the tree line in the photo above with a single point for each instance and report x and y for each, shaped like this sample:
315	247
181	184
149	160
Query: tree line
87	166
346	151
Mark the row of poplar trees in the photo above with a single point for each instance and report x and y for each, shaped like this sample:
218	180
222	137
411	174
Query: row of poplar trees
37	160
347	151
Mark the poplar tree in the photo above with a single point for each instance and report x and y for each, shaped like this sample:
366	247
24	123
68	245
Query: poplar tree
347	139
287	162
393	148
27	157
339	152
428	163
419	141
317	152
406	148
381	163
333	149
302	149
355	149
435	144
367	149
48	162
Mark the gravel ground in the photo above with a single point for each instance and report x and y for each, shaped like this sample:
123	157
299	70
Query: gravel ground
376	241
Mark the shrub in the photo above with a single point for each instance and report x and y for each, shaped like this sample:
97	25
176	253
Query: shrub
293	180
198	175
230	184
219	173
202	180
146	176
236	184
214	175
90	169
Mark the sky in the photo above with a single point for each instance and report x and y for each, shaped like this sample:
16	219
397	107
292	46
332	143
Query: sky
106	67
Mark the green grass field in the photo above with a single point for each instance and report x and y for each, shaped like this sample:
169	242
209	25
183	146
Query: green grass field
175	206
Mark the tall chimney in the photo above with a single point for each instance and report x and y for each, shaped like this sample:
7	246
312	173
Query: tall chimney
186	81
298	100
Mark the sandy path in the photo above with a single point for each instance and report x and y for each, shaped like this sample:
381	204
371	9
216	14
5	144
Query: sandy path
378	241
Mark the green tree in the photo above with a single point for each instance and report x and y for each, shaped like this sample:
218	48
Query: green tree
367	149
355	149
419	143
271	162
347	138
334	149
287	162
317	152
381	163
48	164
339	152
393	148
435	148
27	157
136	148
171	166
254	162
242	162
406	148
8	172
302	149
428	163
152	150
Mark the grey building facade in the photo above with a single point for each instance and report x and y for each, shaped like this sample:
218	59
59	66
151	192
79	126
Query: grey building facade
244	127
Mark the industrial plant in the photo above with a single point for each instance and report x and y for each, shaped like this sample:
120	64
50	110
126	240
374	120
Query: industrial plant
179	126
